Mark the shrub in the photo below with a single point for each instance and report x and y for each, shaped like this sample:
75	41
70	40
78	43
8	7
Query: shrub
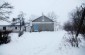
4	38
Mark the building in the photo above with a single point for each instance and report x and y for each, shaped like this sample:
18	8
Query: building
39	24
42	23
6	26
17	27
27	27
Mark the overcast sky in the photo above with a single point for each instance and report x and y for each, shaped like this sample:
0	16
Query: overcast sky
36	7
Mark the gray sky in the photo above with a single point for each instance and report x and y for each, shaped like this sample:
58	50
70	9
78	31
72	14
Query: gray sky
36	7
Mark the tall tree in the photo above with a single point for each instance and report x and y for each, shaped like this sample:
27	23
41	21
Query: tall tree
77	25
5	11
80	25
20	19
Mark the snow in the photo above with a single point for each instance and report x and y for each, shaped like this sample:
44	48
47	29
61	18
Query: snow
4	22
40	43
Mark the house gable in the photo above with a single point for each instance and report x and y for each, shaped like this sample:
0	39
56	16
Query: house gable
42	19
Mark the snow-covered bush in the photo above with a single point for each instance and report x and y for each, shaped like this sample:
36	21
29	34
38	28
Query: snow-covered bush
70	40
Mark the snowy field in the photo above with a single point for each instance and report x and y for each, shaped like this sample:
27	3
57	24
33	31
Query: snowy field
40	43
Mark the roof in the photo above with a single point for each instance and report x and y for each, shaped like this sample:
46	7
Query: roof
4	22
42	19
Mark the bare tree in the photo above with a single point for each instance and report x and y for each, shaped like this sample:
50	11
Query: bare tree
77	24
80	26
20	19
32	17
5	10
52	16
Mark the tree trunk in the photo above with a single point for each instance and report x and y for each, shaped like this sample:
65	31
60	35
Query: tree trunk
20	25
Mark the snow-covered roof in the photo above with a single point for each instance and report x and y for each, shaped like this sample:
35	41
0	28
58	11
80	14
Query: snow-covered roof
17	24
4	22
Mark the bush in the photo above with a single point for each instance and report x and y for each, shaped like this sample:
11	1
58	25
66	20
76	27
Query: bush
4	38
21	33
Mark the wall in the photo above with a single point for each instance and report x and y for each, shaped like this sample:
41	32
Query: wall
43	26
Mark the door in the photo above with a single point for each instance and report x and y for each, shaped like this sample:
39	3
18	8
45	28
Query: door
36	28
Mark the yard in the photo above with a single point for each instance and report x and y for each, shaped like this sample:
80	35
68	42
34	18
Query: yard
40	43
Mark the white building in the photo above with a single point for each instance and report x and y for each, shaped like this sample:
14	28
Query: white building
6	26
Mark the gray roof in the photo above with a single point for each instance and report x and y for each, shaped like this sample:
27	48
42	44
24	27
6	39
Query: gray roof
43	19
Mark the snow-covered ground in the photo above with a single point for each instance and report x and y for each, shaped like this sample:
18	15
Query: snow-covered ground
40	43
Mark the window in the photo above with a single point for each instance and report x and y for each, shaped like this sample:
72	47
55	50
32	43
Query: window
15	27
4	28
